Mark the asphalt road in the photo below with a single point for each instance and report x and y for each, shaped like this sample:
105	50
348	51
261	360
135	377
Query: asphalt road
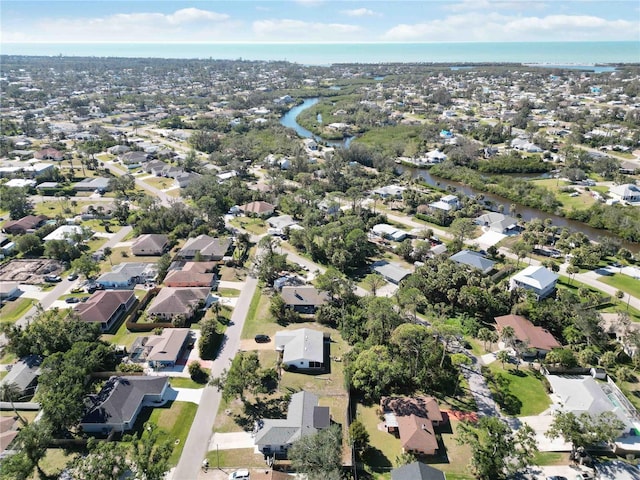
197	443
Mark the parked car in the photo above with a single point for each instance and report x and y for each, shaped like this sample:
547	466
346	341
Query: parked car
52	278
72	276
72	300
77	290
262	338
239	475
557	477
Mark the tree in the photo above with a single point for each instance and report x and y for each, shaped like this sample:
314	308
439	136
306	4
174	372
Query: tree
16	200
197	373
374	281
561	356
10	392
86	265
497	452
405	459
358	436
107	252
521	249
33	440
149	453
373	372
486	336
29	245
318	455
508	335
122	184
572	270
503	357
243	375
585	430
461	229
411	298
105	461
16	467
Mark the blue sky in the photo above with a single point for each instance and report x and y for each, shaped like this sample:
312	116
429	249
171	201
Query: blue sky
59	21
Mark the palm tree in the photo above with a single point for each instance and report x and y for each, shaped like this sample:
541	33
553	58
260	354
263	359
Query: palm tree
106	251
503	356
508	335
10	392
374	282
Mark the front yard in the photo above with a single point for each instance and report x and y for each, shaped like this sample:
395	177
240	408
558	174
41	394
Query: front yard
14	309
519	392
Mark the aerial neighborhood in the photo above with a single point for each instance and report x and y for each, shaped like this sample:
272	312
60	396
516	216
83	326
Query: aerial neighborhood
217	269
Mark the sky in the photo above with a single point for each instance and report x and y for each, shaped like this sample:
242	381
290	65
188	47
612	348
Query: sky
318	21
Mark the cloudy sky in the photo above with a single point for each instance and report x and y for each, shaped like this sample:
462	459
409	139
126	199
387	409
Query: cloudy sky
60	21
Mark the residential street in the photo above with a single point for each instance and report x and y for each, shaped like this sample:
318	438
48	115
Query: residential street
197	443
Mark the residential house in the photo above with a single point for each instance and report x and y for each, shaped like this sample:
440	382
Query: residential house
280	223
164	350
527	335
413	419
305	299
92	184
8	432
417	471
24	225
49	154
184	179
447	204
128	274
9	290
206	247
474	260
24	374
68	233
389	191
538	279
628	192
28	170
172	302
191	274
384	230
497	222
133	158
20	183
106	307
155	167
390	271
304	417
120	401
258	208
525	146
150	244
302	349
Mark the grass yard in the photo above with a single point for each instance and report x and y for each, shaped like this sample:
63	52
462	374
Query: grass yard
518	392
53	463
623	282
175	420
28	415
235	458
122	336
160	182
259	320
386	447
256	226
228	292
551	458
184	382
230	274
13	310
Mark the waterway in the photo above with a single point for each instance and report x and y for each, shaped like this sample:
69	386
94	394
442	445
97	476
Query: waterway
526	213
289	121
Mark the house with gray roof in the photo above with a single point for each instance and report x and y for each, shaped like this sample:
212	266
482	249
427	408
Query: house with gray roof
92	184
208	248
127	275
304	299
302	348
304	417
538	279
628	192
120	401
390	271
497	222
474	260
417	471
150	244
24	374
164	350
171	302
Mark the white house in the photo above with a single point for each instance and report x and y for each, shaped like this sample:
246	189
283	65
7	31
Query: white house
447	203
65	232
384	230
628	192
302	348
539	280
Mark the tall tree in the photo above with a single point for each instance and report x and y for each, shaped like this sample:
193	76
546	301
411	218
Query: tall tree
150	453
318	455
497	452
105	461
585	430
86	265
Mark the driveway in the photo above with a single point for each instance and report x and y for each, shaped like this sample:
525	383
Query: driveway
231	440
488	238
192	395
480	390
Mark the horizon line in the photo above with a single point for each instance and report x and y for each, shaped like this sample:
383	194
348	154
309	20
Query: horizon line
247	42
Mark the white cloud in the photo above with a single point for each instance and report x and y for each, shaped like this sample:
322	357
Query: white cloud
289	30
187	24
492	5
496	27
360	12
309	3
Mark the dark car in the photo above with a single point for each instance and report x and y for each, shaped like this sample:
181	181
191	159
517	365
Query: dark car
52	278
262	338
72	300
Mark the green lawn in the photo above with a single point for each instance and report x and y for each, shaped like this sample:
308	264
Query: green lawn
259	320
228	292
236	458
551	458
160	182
183	382
13	310
53	463
256	226
518	392
121	337
623	282
175	420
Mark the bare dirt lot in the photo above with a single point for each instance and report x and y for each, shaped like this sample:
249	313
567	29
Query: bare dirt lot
30	272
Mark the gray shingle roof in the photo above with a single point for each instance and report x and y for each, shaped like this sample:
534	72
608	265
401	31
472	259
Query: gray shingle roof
23	372
303	296
300	344
417	471
473	259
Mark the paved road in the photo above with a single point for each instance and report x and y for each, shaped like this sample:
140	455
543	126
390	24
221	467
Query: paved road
165	199
197	443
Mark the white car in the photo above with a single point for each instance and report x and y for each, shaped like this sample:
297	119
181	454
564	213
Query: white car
239	475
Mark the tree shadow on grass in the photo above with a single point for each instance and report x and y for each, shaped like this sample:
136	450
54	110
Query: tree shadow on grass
260	409
376	459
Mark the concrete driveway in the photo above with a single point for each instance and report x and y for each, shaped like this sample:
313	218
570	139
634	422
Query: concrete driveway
231	440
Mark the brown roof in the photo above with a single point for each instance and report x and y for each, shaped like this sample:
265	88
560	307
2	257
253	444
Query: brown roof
176	301
7	432
167	345
103	304
426	407
192	273
305	295
527	332
50	153
416	434
262	474
258	207
25	223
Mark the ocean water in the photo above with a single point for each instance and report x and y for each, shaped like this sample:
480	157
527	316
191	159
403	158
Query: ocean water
556	53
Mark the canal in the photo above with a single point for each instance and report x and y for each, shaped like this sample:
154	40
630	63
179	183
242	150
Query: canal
526	213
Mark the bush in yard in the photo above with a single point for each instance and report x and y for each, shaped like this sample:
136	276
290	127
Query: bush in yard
198	374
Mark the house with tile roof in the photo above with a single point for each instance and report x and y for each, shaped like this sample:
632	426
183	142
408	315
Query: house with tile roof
304	417
106	307
24	225
258	208
527	334
118	404
302	348
191	274
171	302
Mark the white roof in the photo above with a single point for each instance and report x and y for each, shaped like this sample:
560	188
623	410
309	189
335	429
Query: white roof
300	344
536	277
63	233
